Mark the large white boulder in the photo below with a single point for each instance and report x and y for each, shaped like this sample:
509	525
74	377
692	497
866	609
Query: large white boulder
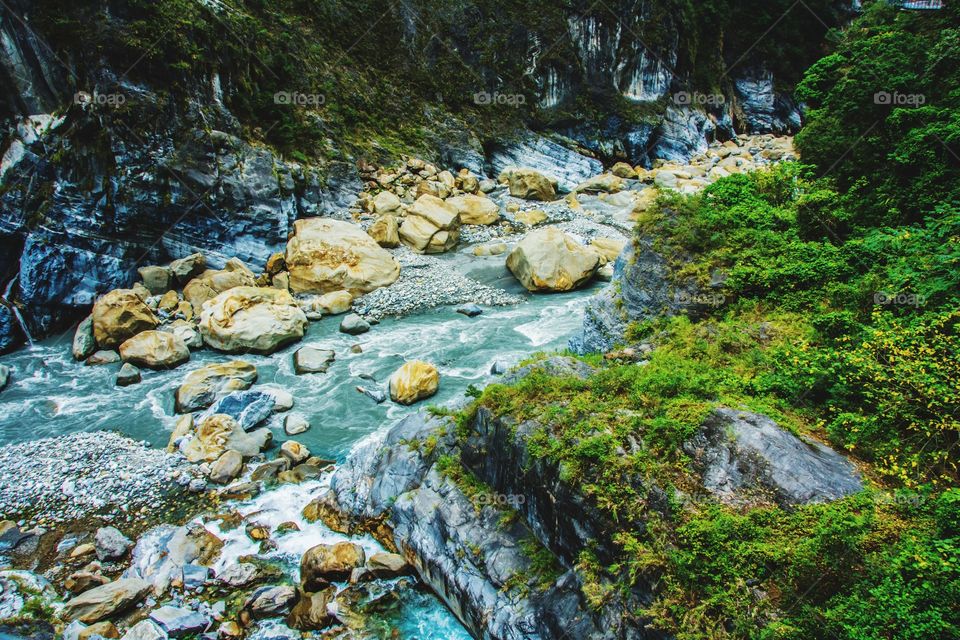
252	319
549	260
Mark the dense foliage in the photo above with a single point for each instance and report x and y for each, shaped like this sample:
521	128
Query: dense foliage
392	75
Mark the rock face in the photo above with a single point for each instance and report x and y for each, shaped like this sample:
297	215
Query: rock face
251	319
431	226
155	350
102	602
464	553
546	156
745	457
211	382
327	255
120	315
550	260
641	289
413	382
84	344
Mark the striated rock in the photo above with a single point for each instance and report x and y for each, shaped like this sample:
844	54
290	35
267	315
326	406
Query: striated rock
155	350
162	553
128	375
430	226
327	255
329	562
102	602
227	467
84	344
250	319
745	457
248	408
475	209
219	433
385	230
414	381
213	381
529	184
111	544
550	260
120	315
312	360
546	156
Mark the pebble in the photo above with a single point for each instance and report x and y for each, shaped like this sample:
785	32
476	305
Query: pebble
99	472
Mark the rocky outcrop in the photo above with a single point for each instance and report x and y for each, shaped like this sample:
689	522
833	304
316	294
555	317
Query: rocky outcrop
325	255
252	320
541	154
641	289
550	260
746	457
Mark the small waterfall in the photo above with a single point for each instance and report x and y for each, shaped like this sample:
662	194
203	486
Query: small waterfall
16	311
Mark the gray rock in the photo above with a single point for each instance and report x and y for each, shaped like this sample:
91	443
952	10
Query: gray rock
83	342
177	622
548	157
111	544
269	602
195	575
354	325
128	375
470	310
145	630
313	360
4	376
746	456
248	408
762	109
553	366
295	424
102	602
499	368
